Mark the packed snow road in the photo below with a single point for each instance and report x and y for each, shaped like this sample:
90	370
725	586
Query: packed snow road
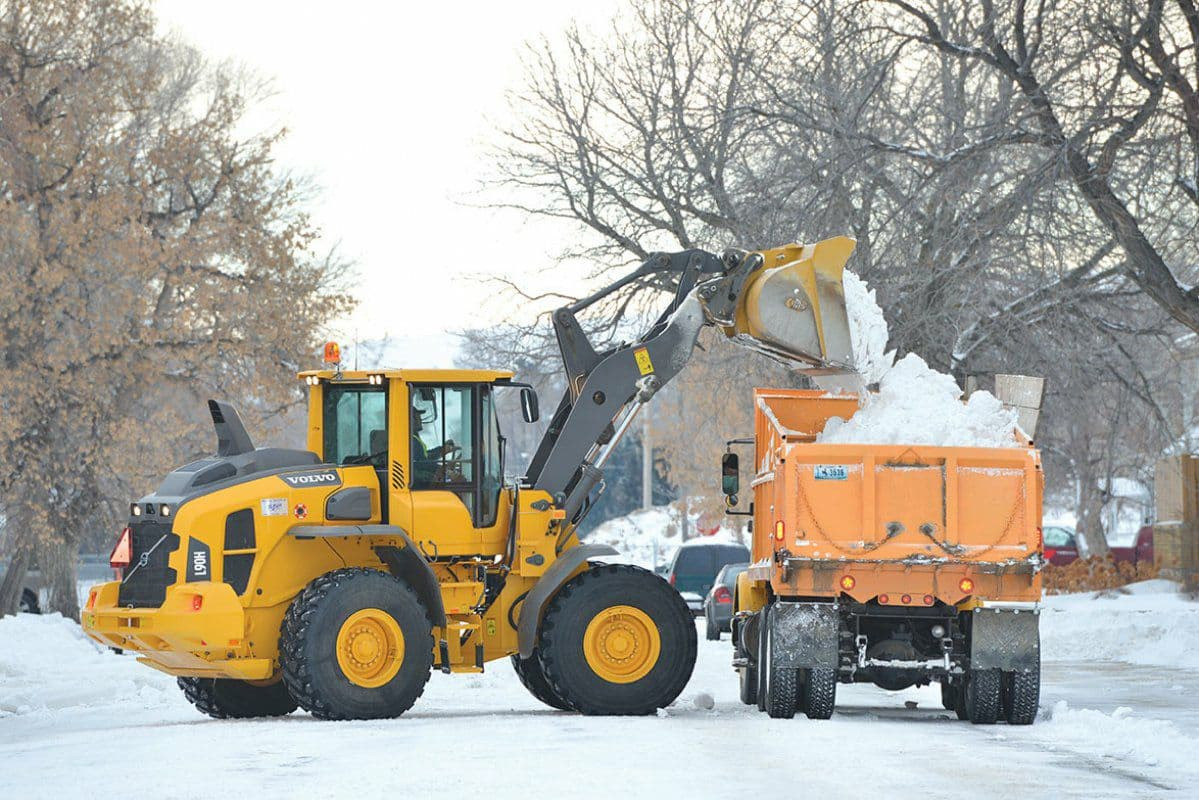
77	721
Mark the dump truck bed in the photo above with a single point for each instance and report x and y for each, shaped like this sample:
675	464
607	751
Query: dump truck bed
900	524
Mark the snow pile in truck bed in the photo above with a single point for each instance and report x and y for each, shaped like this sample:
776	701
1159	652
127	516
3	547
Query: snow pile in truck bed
915	404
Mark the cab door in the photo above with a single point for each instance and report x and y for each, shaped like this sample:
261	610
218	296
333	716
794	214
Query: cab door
454	458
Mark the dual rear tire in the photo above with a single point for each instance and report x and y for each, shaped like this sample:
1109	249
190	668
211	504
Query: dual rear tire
784	690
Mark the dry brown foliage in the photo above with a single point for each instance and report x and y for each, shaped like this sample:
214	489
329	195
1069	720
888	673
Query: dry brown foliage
153	255
1095	574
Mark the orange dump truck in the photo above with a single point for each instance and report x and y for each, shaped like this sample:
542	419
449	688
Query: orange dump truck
897	565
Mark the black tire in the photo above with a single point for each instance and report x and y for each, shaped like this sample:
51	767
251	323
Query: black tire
713	629
226	698
982	696
578	603
308	645
761	676
29	603
782	683
820	693
747	677
959	699
948	696
1023	695
533	679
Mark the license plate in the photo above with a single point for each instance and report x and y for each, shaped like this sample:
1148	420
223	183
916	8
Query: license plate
831	472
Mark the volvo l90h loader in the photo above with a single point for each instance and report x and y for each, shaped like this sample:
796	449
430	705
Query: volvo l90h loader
336	578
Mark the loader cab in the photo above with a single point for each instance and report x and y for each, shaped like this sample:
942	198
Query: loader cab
433	438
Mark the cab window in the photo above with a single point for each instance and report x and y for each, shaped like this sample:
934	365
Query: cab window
355	425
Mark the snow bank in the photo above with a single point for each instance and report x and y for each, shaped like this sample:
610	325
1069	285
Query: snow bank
48	664
641	535
1122	736
1144	623
915	404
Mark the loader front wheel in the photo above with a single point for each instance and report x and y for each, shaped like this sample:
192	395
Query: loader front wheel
533	679
226	698
617	639
356	644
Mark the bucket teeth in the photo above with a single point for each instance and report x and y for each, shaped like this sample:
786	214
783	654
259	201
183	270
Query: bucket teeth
793	308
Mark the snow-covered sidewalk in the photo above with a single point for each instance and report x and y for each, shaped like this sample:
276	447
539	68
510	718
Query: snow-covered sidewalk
76	720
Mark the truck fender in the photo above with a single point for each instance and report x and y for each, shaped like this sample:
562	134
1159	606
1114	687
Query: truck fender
547	586
805	635
404	562
1005	638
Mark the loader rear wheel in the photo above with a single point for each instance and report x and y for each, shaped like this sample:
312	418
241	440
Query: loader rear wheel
226	698
533	679
820	693
982	696
356	644
617	639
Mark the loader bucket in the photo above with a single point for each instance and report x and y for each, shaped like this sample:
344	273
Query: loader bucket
793	308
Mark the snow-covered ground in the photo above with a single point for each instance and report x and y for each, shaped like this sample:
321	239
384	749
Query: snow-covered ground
1118	719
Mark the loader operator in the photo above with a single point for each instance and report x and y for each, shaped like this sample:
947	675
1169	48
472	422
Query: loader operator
425	460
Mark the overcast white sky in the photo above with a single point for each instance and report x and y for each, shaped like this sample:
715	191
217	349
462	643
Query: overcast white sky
390	107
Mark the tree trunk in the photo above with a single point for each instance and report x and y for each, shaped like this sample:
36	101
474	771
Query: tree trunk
1090	517
14	582
59	571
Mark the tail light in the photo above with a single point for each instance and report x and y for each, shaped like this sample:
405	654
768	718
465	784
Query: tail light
907	598
966	585
91	599
928	599
884	599
197	602
1050	553
672	579
122	552
722	595
848	582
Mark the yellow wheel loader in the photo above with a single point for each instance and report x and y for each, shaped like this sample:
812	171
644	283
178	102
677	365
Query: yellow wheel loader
336	578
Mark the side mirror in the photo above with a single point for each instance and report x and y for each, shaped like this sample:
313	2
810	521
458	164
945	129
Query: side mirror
529	408
730	474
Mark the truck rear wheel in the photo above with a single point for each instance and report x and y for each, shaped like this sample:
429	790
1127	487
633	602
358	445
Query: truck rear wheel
533	679
781	693
1022	695
617	639
820	693
982	696
356	644
226	698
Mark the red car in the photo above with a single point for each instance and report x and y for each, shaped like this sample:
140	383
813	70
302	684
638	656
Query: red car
1061	547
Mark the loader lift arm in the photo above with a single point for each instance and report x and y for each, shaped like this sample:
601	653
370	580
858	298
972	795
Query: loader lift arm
605	390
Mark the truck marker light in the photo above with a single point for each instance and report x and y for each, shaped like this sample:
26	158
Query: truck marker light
966	585
907	598
197	602
848	582
928	599
779	532
884	599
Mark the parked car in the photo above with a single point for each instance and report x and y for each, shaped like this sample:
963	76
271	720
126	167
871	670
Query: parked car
1141	551
718	604
1061	545
694	568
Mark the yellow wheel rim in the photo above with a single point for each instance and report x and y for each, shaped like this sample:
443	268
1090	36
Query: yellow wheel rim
622	644
370	648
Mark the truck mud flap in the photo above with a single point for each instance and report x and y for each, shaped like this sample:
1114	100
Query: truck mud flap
805	634
1005	638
